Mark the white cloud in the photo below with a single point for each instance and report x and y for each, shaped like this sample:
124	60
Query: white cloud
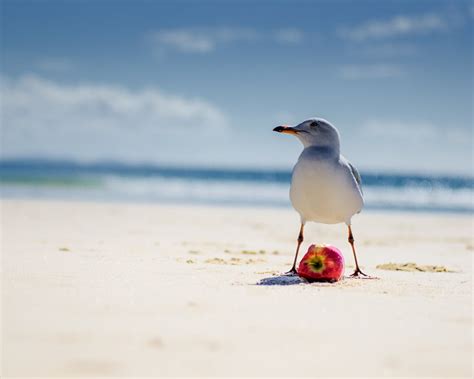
202	40
395	129
184	40
412	145
42	117
397	26
370	71
206	40
415	132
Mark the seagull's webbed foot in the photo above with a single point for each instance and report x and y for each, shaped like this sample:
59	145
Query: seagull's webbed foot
291	272
359	274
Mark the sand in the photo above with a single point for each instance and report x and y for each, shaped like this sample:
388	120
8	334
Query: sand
154	290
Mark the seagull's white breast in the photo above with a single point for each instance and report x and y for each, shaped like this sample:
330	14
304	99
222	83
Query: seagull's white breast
324	190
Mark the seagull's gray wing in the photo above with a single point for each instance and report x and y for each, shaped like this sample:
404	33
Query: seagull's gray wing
356	175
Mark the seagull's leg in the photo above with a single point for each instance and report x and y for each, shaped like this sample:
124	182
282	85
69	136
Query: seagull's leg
351	241
300	240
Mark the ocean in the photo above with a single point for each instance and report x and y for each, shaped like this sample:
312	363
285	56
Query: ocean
41	179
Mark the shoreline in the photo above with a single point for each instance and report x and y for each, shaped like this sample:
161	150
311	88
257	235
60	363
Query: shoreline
226	205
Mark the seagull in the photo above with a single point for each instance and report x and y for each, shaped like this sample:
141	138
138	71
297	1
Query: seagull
325	187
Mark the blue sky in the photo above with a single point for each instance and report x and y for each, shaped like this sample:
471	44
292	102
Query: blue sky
204	82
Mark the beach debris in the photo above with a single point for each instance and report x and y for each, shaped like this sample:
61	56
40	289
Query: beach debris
272	272
233	261
248	252
64	249
190	261
215	261
322	263
412	267
249	261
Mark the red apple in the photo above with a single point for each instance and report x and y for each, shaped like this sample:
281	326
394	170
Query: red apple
322	263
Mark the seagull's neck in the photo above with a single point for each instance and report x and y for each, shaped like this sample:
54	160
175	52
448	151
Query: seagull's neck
329	151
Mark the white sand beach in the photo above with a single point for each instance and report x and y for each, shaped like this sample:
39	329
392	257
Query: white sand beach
161	290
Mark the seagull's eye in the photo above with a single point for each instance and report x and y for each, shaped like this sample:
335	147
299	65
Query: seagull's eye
313	124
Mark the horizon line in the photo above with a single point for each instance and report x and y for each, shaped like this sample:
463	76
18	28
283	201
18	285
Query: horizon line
45	161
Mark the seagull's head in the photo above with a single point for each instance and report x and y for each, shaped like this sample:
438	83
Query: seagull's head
313	132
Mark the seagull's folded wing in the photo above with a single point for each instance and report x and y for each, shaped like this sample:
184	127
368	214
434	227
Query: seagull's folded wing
356	176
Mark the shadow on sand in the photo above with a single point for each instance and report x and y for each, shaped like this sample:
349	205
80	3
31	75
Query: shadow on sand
281	280
289	280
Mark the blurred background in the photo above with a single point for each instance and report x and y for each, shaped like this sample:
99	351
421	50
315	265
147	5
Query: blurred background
175	101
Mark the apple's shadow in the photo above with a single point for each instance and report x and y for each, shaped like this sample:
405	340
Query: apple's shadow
281	280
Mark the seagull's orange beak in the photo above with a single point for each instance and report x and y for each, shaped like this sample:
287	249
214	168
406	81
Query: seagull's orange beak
285	129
